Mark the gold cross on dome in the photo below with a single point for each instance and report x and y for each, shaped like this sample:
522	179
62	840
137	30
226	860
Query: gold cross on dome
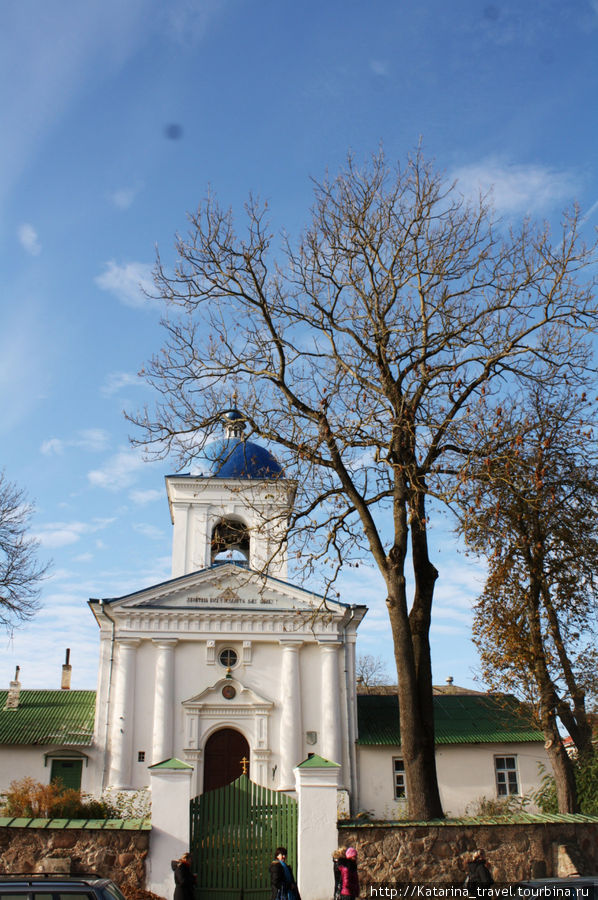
244	763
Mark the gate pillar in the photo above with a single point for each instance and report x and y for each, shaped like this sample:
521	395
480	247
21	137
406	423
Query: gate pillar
171	795
316	782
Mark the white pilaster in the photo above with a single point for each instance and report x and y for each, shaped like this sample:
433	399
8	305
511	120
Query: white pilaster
351	681
317	832
331	703
290	725
121	746
180	516
163	700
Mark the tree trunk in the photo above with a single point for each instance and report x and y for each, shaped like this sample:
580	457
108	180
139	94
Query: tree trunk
416	715
564	776
425	575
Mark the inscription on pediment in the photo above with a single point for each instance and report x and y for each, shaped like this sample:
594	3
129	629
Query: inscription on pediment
228	597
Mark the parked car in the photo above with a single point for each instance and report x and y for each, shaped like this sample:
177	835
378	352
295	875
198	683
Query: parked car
579	887
39	886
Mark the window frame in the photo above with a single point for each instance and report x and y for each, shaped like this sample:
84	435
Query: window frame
399	789
228	650
507	770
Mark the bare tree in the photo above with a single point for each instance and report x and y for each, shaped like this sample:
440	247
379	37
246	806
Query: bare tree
532	510
20	571
368	353
371	671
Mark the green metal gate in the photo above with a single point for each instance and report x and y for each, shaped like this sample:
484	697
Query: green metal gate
234	832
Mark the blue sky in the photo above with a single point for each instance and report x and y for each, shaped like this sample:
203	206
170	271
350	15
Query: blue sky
115	119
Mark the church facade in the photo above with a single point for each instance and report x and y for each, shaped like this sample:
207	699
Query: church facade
229	667
227	661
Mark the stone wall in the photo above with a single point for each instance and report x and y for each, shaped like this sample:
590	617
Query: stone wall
116	854
400	853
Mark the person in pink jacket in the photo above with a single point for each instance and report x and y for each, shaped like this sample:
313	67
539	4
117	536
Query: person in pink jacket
348	871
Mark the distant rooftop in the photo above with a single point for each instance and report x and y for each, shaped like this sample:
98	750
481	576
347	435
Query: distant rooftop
437	689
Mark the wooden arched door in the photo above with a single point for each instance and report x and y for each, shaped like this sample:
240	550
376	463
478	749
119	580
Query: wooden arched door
222	758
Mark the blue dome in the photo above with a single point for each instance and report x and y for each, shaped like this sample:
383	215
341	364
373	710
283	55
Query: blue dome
236	458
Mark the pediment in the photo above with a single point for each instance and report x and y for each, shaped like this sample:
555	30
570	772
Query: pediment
239	696
226	587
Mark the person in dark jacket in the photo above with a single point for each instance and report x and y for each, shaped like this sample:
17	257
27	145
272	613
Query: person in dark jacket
478	878
336	856
184	879
284	886
347	866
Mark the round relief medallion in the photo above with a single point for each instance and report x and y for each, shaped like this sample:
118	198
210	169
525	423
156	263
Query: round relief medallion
228	692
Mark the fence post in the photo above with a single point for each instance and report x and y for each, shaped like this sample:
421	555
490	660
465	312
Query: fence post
316	781
169	839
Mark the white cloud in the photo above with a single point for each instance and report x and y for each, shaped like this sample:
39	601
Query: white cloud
61	534
92	439
142	497
28	239
380	67
128	282
188	22
119	472
115	381
517	188
52	446
123	198
149	531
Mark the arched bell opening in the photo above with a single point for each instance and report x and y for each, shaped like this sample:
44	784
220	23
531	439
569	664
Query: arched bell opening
230	541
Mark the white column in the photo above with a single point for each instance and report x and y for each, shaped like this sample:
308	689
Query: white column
331	704
171	792
163	700
317	831
290	724
121	745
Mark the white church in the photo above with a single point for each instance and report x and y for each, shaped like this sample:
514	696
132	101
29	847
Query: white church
229	667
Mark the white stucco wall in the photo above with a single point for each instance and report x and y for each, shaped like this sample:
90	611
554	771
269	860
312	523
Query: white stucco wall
465	774
18	762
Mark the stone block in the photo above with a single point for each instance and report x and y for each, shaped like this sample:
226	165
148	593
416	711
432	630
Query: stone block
63	840
55	864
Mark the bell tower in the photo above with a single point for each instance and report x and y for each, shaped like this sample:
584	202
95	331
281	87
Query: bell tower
235	509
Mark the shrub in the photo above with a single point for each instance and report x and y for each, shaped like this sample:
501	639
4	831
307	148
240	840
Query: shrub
27	797
586	781
497	806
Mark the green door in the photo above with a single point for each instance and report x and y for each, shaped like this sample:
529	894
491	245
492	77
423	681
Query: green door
234	831
69	772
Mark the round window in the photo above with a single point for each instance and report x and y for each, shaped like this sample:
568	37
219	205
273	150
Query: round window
228	658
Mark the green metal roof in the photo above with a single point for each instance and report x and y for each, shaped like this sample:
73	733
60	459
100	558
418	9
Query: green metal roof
458	719
172	764
49	717
317	762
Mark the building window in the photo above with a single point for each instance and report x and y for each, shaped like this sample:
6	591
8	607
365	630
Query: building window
141	756
398	767
506	775
228	658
